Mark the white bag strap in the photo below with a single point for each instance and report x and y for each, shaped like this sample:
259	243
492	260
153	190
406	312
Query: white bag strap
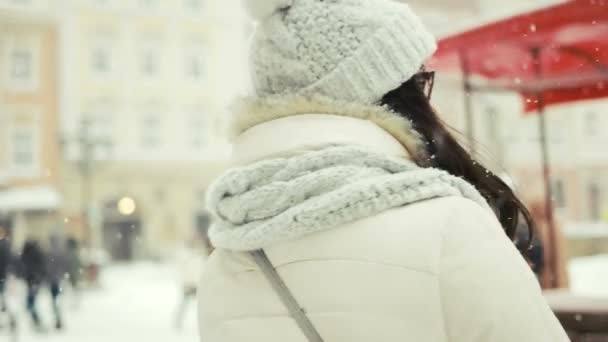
281	289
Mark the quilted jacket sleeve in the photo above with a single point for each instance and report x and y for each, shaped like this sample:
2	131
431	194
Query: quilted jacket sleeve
488	292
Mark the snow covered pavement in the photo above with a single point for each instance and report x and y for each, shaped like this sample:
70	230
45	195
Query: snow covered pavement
136	302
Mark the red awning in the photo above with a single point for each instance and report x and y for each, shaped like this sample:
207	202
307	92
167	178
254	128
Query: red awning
572	39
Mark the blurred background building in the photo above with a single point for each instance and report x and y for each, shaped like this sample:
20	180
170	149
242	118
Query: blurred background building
508	139
113	112
445	17
30	185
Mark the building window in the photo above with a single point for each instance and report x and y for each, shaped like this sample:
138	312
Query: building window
594	201
193	4
149	63
148	3
559	194
151	131
23	148
555	130
197	132
161	195
591	124
102	130
100	60
195	66
96	135
21	64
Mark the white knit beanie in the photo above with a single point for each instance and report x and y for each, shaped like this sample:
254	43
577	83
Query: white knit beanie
348	50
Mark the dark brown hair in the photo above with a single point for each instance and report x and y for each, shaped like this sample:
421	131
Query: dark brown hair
444	151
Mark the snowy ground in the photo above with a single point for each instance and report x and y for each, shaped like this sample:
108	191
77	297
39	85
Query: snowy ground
589	276
135	303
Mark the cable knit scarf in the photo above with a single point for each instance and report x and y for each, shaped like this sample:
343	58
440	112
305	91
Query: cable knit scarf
281	199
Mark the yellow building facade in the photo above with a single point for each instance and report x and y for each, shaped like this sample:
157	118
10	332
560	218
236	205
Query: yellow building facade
30	198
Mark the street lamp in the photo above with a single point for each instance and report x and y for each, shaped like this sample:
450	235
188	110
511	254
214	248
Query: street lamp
126	206
89	144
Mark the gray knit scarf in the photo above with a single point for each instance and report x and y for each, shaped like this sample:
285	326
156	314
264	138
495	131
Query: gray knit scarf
282	199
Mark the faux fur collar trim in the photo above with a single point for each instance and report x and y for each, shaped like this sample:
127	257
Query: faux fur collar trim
309	132
250	112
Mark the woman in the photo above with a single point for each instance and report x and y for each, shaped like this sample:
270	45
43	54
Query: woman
380	226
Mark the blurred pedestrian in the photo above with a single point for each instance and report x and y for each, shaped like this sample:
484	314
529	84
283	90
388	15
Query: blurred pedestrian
189	261
531	249
33	270
57	270
553	273
351	200
5	263
202	233
75	264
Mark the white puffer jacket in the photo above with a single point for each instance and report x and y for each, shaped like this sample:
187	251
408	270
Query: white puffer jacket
438	270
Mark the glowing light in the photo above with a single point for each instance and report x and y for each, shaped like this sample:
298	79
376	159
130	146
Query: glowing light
126	206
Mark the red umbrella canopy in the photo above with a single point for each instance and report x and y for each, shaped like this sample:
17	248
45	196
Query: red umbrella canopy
570	41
